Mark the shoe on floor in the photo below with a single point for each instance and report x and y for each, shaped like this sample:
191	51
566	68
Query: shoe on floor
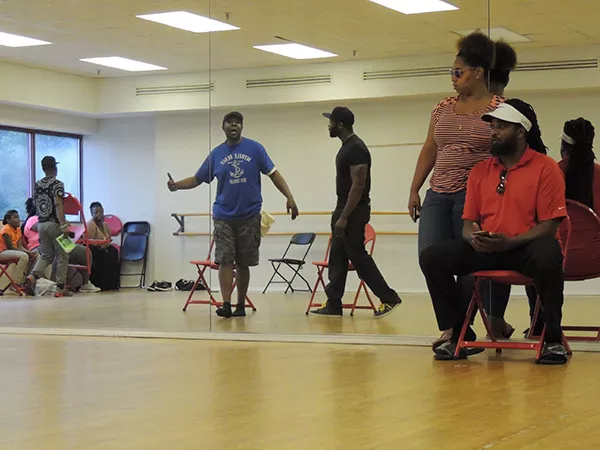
240	311
326	311
445	337
164	286
224	311
554	353
185	285
89	288
386	308
152	287
29	286
63	293
445	352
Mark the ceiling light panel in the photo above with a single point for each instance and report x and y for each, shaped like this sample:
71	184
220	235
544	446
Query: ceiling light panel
14	40
117	62
500	34
416	6
295	51
188	22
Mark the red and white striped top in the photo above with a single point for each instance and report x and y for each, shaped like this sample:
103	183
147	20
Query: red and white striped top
463	140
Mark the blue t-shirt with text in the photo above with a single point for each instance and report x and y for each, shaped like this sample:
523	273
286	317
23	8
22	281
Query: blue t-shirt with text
237	169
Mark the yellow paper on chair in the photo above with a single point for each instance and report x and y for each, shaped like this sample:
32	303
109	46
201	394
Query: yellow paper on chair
266	221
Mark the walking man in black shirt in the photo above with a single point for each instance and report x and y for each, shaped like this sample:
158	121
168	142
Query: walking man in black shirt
351	215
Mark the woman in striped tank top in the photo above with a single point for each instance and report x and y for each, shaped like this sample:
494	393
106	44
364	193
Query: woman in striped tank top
457	140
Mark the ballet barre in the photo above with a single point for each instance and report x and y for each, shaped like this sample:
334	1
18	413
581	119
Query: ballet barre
180	219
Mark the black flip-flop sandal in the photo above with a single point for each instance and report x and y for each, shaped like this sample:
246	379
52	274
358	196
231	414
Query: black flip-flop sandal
470	351
552	359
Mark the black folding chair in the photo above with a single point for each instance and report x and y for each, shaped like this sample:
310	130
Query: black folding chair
298	240
134	247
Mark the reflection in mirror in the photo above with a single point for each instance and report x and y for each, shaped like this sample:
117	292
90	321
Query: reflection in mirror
115	98
388	78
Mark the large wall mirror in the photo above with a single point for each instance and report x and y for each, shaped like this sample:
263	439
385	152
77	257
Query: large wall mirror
117	94
189	134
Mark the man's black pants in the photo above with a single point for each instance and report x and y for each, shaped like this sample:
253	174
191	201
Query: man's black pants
540	260
351	247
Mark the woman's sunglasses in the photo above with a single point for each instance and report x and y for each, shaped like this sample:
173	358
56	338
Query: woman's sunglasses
501	188
457	73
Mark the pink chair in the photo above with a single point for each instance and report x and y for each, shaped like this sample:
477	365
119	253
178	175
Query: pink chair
584	256
115	226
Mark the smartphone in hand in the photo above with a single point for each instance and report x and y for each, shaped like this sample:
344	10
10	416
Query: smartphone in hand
415	214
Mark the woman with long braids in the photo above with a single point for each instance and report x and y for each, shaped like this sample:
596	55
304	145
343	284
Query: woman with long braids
582	175
582	178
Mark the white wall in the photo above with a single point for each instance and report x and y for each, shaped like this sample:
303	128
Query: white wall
118	171
297	140
39	119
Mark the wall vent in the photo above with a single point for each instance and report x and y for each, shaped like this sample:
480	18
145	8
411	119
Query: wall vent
291	81
543	66
168	90
406	73
539	66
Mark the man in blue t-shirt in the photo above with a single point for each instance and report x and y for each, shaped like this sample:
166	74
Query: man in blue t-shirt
237	164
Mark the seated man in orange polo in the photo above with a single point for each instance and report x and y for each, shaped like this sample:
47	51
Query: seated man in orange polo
514	204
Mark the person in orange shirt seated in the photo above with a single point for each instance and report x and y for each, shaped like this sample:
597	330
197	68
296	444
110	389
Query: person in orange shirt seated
514	204
11	247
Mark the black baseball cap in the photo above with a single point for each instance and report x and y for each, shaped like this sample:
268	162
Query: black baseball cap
341	114
49	162
233	115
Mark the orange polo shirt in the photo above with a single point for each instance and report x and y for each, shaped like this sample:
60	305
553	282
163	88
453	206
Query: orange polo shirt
534	191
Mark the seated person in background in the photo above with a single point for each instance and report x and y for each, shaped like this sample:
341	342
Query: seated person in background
105	269
31	214
31	241
582	179
11	247
515	202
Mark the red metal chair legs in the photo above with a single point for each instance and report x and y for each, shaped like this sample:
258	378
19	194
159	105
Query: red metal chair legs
4	265
201	266
351	306
536	345
311	302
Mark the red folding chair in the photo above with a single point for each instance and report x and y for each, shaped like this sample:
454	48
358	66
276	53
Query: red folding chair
72	207
4	265
202	267
584	257
370	237
515	279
